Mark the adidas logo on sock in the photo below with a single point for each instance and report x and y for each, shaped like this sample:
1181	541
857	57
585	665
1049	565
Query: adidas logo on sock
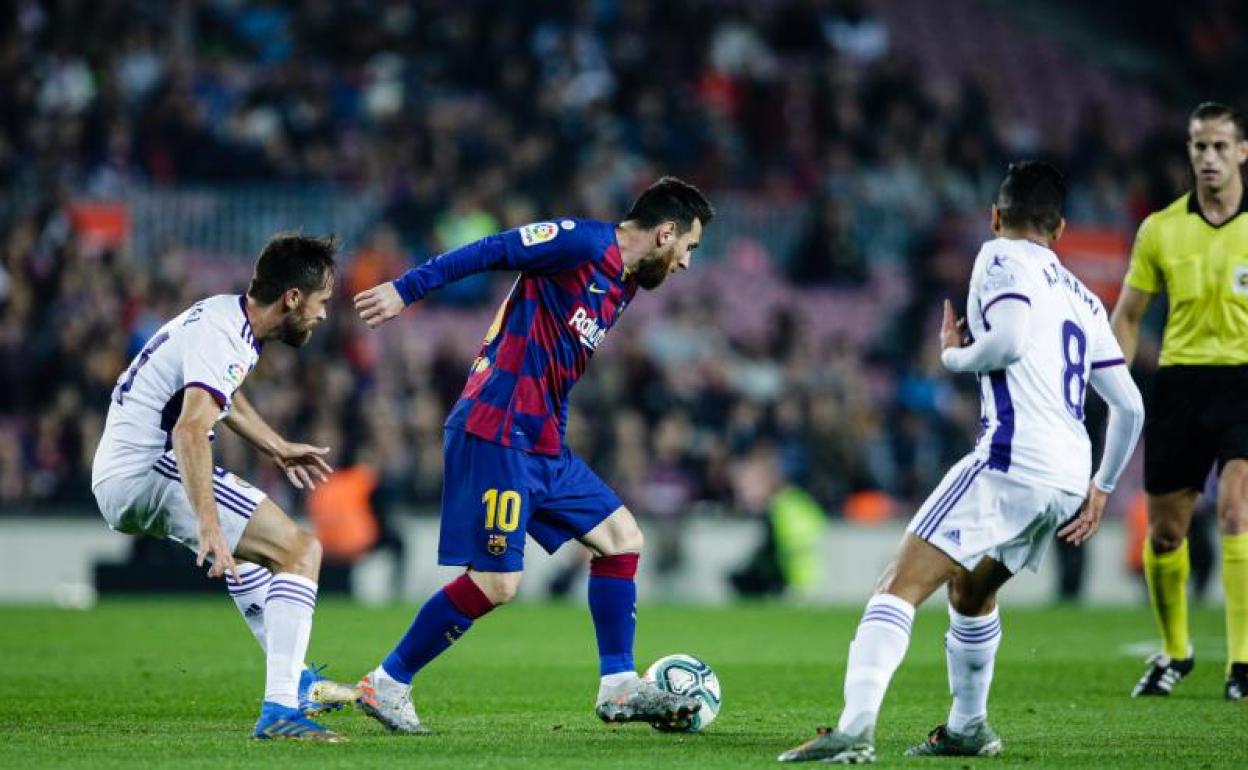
253	610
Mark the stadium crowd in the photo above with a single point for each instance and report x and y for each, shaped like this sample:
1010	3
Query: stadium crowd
471	117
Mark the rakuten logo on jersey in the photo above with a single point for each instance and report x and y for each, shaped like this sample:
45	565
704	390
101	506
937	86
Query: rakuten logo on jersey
587	327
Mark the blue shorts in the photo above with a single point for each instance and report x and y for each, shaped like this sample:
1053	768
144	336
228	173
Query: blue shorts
492	495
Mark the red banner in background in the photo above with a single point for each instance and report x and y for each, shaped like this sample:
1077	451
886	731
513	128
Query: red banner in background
1098	257
100	224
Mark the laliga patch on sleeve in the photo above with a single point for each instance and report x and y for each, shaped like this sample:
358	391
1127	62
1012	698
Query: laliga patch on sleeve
538	232
999	274
234	374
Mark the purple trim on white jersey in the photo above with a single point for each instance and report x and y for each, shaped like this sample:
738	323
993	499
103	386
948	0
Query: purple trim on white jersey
1108	363
217	395
246	332
1003	436
1007	295
983	310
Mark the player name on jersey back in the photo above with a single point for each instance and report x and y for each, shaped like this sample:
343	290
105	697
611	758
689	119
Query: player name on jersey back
211	346
1032	411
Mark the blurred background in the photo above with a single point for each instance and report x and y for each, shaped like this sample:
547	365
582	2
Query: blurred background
774	416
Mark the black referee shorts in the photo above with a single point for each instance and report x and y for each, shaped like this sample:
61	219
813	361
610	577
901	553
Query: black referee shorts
1198	415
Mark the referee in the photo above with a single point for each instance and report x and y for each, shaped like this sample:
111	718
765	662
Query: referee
1196	250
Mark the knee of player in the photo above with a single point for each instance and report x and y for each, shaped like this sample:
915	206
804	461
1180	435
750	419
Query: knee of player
1233	509
311	547
303	553
498	587
627	537
631	540
1165	538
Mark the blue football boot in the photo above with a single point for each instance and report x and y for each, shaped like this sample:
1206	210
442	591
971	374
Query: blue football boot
278	722
318	695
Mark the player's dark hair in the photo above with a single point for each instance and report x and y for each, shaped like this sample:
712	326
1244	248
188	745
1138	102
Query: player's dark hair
671	200
292	261
1032	195
1220	111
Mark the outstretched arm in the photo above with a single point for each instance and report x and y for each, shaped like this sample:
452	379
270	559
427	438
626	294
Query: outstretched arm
300	462
538	247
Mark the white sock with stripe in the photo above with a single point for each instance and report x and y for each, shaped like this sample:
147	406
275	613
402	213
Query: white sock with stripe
874	655
971	651
288	626
250	592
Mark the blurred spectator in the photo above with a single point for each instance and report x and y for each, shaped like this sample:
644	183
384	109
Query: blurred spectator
841	158
790	556
828	253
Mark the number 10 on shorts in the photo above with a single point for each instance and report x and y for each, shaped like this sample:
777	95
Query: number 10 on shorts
502	509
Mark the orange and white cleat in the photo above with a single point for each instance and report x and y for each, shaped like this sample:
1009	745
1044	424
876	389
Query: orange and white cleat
390	703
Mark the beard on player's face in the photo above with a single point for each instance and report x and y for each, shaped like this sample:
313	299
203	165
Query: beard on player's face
309	310
296	327
295	331
654	269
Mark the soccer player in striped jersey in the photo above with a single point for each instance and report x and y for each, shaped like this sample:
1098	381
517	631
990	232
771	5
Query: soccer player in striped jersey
1039	339
507	472
153	472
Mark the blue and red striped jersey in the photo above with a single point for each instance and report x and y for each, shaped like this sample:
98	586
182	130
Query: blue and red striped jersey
570	293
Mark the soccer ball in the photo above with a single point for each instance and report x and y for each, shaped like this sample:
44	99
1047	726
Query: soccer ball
686	675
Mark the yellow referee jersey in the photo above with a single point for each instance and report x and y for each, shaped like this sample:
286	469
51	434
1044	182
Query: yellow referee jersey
1204	271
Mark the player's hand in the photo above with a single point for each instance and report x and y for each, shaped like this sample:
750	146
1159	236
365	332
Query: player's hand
212	545
303	464
1088	520
952	329
379	304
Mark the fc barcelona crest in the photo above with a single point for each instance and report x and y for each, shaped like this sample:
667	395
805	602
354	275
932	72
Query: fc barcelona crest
496	545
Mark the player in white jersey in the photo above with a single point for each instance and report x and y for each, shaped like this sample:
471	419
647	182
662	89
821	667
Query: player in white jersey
153	472
1038	338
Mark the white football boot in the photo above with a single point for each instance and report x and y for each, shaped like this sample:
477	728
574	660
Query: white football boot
636	700
390	703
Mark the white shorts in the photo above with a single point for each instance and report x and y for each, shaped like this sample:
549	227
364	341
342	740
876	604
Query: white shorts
977	511
155	503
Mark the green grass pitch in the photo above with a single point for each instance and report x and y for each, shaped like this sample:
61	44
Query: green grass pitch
177	683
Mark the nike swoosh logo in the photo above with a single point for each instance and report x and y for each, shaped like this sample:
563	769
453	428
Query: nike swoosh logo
593	289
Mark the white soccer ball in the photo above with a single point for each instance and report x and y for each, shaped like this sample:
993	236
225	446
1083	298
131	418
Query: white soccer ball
686	675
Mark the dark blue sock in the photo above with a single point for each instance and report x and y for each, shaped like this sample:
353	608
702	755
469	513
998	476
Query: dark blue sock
437	625
613	605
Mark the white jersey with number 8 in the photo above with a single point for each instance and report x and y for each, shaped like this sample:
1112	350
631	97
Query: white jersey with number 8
1032	410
